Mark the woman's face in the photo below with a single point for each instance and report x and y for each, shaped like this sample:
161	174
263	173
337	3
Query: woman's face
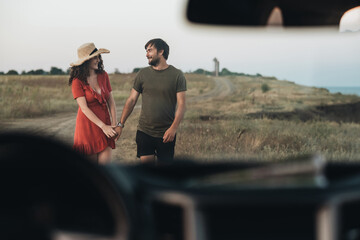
94	63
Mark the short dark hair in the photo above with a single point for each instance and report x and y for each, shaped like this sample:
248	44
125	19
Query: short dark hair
159	44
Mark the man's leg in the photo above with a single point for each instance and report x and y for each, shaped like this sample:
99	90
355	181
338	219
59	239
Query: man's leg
165	151
145	147
147	159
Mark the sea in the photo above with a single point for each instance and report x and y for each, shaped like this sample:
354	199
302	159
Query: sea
344	90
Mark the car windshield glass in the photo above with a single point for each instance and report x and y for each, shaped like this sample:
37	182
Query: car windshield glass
266	93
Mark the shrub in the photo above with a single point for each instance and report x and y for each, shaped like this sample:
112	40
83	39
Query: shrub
136	70
12	72
265	87
56	71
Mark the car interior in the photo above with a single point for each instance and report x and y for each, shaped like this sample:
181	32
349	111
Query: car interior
57	194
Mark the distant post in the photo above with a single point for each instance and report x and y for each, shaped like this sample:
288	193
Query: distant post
216	67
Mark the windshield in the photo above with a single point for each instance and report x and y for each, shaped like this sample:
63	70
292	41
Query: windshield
253	93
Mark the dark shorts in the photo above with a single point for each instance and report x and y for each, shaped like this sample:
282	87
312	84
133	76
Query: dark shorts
148	145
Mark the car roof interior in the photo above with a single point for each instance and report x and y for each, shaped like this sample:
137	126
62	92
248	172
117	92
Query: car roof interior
305	13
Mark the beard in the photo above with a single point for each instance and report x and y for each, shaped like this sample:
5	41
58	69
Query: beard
154	62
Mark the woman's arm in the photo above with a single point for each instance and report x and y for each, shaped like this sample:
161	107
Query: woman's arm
112	108
108	130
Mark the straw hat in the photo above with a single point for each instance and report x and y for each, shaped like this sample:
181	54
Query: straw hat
86	52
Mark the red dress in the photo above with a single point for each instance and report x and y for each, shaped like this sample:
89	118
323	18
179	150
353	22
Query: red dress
89	138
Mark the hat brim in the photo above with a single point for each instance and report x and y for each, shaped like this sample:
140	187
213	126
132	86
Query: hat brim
82	60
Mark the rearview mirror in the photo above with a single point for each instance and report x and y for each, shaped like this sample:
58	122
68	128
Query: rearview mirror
305	13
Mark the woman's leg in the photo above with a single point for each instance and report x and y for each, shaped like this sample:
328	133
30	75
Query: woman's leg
105	156
93	158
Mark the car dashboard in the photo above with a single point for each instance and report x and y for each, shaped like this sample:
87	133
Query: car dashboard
57	194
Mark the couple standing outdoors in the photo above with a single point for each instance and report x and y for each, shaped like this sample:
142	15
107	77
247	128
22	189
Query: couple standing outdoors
163	105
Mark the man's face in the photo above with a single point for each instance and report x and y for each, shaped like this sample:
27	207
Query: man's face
152	56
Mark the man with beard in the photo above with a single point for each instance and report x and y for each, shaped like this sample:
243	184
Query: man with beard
163	104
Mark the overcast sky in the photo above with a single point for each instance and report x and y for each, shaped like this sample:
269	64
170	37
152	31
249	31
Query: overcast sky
38	34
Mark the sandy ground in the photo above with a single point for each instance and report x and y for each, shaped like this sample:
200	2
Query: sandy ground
62	126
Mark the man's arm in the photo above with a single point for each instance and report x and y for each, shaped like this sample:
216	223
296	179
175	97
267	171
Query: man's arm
179	114
127	110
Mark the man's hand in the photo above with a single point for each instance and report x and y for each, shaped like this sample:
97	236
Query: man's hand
118	131
169	135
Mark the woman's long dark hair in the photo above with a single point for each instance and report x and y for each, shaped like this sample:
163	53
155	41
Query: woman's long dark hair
82	72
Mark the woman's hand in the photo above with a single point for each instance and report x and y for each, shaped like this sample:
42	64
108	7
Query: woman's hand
108	131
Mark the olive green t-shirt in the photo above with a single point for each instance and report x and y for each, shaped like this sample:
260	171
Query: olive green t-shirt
158	89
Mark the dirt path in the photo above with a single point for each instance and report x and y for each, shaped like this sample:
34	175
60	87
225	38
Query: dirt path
62	126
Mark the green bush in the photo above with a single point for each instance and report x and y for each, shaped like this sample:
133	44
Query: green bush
12	72
265	87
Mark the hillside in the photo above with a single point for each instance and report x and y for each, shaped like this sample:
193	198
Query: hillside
280	100
232	117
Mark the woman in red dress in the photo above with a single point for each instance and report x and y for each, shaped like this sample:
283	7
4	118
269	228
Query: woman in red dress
91	88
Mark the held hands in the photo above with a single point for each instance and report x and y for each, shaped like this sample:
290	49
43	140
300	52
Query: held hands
118	131
108	131
169	135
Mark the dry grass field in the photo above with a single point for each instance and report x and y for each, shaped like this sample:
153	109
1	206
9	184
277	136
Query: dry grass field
287	121
234	117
